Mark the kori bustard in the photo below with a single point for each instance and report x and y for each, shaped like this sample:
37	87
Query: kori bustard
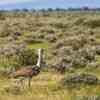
30	71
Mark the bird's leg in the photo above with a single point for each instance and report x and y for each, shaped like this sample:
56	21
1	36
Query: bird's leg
22	82
29	82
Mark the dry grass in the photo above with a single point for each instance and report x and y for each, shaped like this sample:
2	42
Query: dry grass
44	87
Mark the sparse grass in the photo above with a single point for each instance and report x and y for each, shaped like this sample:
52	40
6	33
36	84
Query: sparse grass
39	45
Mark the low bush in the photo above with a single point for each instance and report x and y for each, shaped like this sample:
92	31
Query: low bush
27	57
77	80
93	23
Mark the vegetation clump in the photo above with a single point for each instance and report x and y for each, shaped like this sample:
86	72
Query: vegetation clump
93	23
80	79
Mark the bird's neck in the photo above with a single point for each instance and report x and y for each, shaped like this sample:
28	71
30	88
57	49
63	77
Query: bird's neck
39	58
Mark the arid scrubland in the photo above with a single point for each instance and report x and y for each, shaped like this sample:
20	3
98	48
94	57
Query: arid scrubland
72	48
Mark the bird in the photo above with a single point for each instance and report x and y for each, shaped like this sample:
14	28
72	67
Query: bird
29	71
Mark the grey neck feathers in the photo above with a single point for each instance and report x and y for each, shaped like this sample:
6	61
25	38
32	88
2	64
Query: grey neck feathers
39	58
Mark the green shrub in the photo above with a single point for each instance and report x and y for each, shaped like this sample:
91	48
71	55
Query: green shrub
27	57
79	21
93	23
2	16
77	80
